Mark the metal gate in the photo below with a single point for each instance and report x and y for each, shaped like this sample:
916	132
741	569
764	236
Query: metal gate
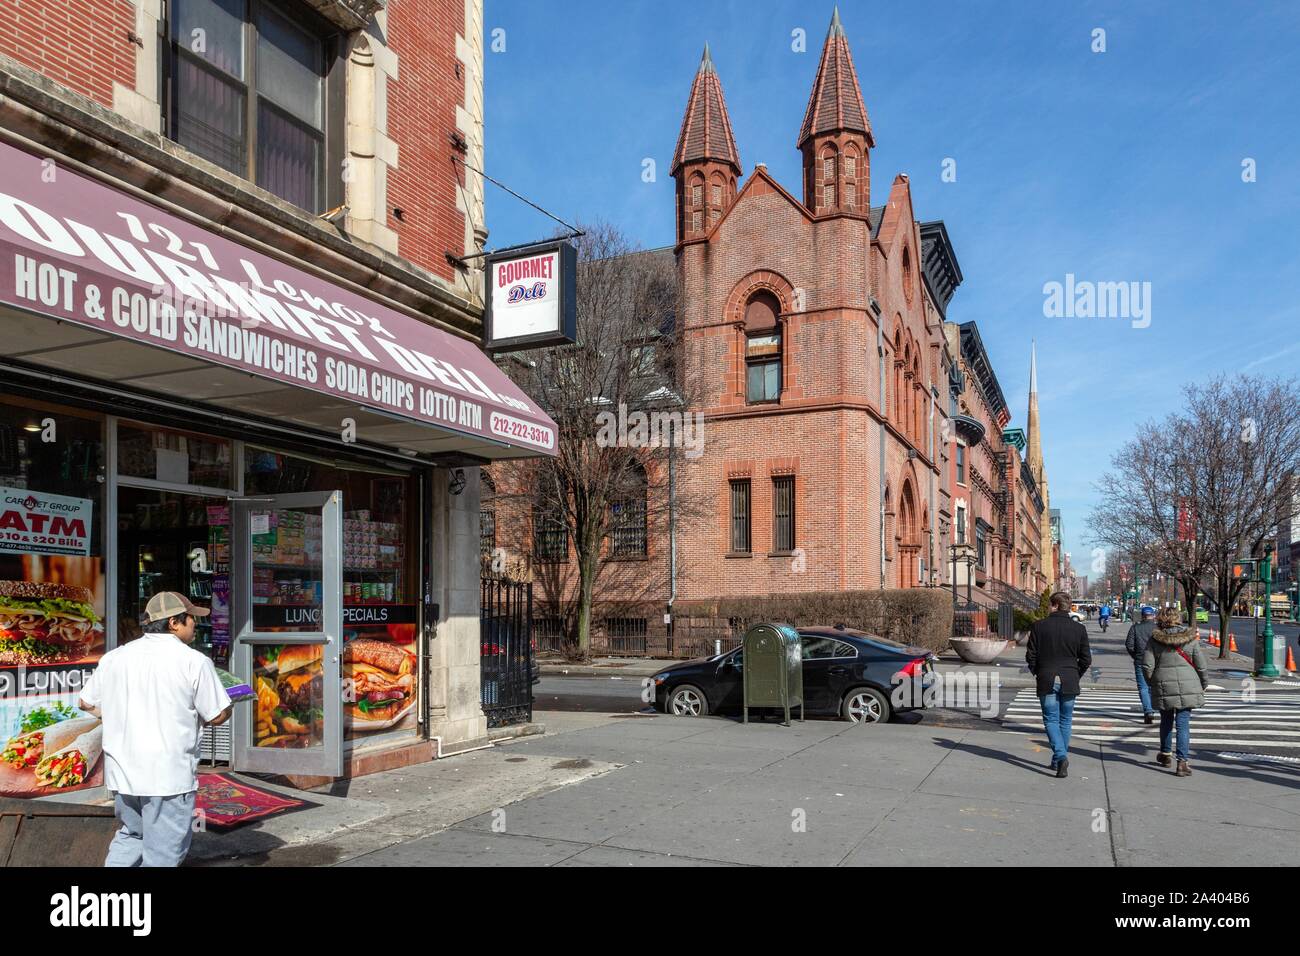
506	665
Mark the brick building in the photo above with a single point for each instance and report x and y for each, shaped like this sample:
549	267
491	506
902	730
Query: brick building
306	166
852	433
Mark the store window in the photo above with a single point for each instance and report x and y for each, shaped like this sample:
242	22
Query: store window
180	458
52	590
248	89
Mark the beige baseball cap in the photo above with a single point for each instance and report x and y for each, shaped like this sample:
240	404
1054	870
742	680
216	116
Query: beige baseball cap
167	604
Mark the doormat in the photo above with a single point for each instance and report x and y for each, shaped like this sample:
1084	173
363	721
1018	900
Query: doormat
226	803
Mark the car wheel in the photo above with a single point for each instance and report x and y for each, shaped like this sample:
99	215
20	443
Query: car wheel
688	701
865	705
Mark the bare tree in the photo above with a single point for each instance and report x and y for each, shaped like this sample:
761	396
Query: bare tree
1205	487
619	405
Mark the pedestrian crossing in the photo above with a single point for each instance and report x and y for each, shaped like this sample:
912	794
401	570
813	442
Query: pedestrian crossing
1272	719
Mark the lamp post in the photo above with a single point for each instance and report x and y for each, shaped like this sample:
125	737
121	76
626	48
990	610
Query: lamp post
1267	667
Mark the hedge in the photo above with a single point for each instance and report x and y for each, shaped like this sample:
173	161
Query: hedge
917	616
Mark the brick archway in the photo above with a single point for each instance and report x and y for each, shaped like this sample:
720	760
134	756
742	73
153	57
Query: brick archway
761	280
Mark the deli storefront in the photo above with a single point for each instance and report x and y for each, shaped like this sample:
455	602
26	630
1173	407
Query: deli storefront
179	411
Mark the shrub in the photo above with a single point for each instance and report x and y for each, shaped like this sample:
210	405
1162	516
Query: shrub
919	616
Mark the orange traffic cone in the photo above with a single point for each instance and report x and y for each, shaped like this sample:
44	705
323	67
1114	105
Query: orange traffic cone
1290	661
1232	643
1214	640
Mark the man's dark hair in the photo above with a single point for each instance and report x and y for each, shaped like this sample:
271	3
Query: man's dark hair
1060	601
161	627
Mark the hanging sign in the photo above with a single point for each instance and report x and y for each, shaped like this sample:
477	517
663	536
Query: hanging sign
530	301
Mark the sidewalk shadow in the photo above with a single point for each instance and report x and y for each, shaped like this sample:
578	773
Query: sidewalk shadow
1000	755
1209	762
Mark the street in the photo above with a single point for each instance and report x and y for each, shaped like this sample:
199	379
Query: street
613	783
1244	630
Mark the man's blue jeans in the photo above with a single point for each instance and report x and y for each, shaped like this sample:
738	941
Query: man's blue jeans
1144	690
1058	715
1183	720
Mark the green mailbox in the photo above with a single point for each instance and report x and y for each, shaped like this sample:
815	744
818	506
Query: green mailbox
772	672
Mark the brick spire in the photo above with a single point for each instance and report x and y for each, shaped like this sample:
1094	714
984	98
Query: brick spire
836	102
706	130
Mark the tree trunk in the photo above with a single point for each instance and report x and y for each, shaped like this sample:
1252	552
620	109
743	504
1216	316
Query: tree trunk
586	589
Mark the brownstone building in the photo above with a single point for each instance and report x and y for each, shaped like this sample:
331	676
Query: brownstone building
851	433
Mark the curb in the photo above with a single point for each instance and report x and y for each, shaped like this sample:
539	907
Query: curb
498	734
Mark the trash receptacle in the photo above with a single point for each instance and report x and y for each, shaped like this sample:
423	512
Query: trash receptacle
773	669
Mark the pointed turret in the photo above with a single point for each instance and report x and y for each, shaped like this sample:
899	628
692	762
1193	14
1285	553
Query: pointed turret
1034	453
836	133
1034	459
706	161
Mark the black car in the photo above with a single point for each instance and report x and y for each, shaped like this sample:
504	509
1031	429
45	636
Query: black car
846	673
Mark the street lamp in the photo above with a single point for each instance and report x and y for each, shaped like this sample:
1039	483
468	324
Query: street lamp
1267	668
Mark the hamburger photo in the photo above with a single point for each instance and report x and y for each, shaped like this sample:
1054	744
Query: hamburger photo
379	682
43	623
290	692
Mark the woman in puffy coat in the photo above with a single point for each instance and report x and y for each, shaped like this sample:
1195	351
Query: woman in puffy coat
1174	665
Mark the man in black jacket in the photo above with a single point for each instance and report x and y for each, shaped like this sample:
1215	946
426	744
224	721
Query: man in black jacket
1058	655
1135	642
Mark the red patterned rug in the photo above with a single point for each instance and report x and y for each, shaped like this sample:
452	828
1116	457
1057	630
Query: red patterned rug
227	803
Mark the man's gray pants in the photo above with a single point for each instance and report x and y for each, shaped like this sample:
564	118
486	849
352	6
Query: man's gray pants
156	831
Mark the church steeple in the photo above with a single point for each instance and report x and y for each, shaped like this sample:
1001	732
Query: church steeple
1034	459
836	134
706	161
1034	454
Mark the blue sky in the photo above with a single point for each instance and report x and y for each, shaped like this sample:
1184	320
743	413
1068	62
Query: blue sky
1117	166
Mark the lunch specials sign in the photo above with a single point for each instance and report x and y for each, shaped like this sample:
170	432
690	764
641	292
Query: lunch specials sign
40	523
80	251
530	297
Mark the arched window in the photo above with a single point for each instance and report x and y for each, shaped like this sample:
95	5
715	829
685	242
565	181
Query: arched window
908	281
697	203
851	177
762	348
716	199
828	178
627	517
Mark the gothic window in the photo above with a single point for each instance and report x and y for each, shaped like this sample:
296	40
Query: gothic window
762	349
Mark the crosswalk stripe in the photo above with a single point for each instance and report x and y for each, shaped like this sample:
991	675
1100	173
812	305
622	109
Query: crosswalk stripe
1226	719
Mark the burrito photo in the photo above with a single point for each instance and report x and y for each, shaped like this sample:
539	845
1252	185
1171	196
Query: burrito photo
27	750
70	765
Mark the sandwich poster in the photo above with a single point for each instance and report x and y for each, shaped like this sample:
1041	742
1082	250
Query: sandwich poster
37	522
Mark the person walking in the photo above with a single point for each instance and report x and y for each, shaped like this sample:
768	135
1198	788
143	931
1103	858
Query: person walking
1174	665
154	695
1135	642
1058	655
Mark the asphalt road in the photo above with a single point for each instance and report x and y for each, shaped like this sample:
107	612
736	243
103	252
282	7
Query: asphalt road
1244	628
622	695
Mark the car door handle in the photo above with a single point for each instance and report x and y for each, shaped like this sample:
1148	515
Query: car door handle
839	670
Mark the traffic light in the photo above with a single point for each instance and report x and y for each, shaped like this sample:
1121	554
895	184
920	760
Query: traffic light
1243	571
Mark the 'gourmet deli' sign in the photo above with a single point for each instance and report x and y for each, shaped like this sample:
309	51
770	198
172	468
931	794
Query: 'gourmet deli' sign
77	250
530	297
34	522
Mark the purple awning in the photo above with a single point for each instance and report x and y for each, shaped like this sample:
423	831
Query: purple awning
74	249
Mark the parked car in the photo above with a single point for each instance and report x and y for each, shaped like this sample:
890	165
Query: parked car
1202	616
495	638
1076	616
846	673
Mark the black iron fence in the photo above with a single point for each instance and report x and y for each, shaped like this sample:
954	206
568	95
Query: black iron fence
506	651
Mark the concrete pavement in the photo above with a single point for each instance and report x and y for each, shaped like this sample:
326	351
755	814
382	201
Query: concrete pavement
631	789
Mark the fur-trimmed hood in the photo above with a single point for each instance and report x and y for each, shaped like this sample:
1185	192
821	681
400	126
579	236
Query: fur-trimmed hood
1175	636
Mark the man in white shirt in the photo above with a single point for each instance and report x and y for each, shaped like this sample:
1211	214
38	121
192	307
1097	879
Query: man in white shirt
154	695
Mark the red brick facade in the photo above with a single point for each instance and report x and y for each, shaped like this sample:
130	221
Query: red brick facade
421	120
87	45
83	44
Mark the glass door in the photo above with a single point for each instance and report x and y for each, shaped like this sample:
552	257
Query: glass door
287	627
